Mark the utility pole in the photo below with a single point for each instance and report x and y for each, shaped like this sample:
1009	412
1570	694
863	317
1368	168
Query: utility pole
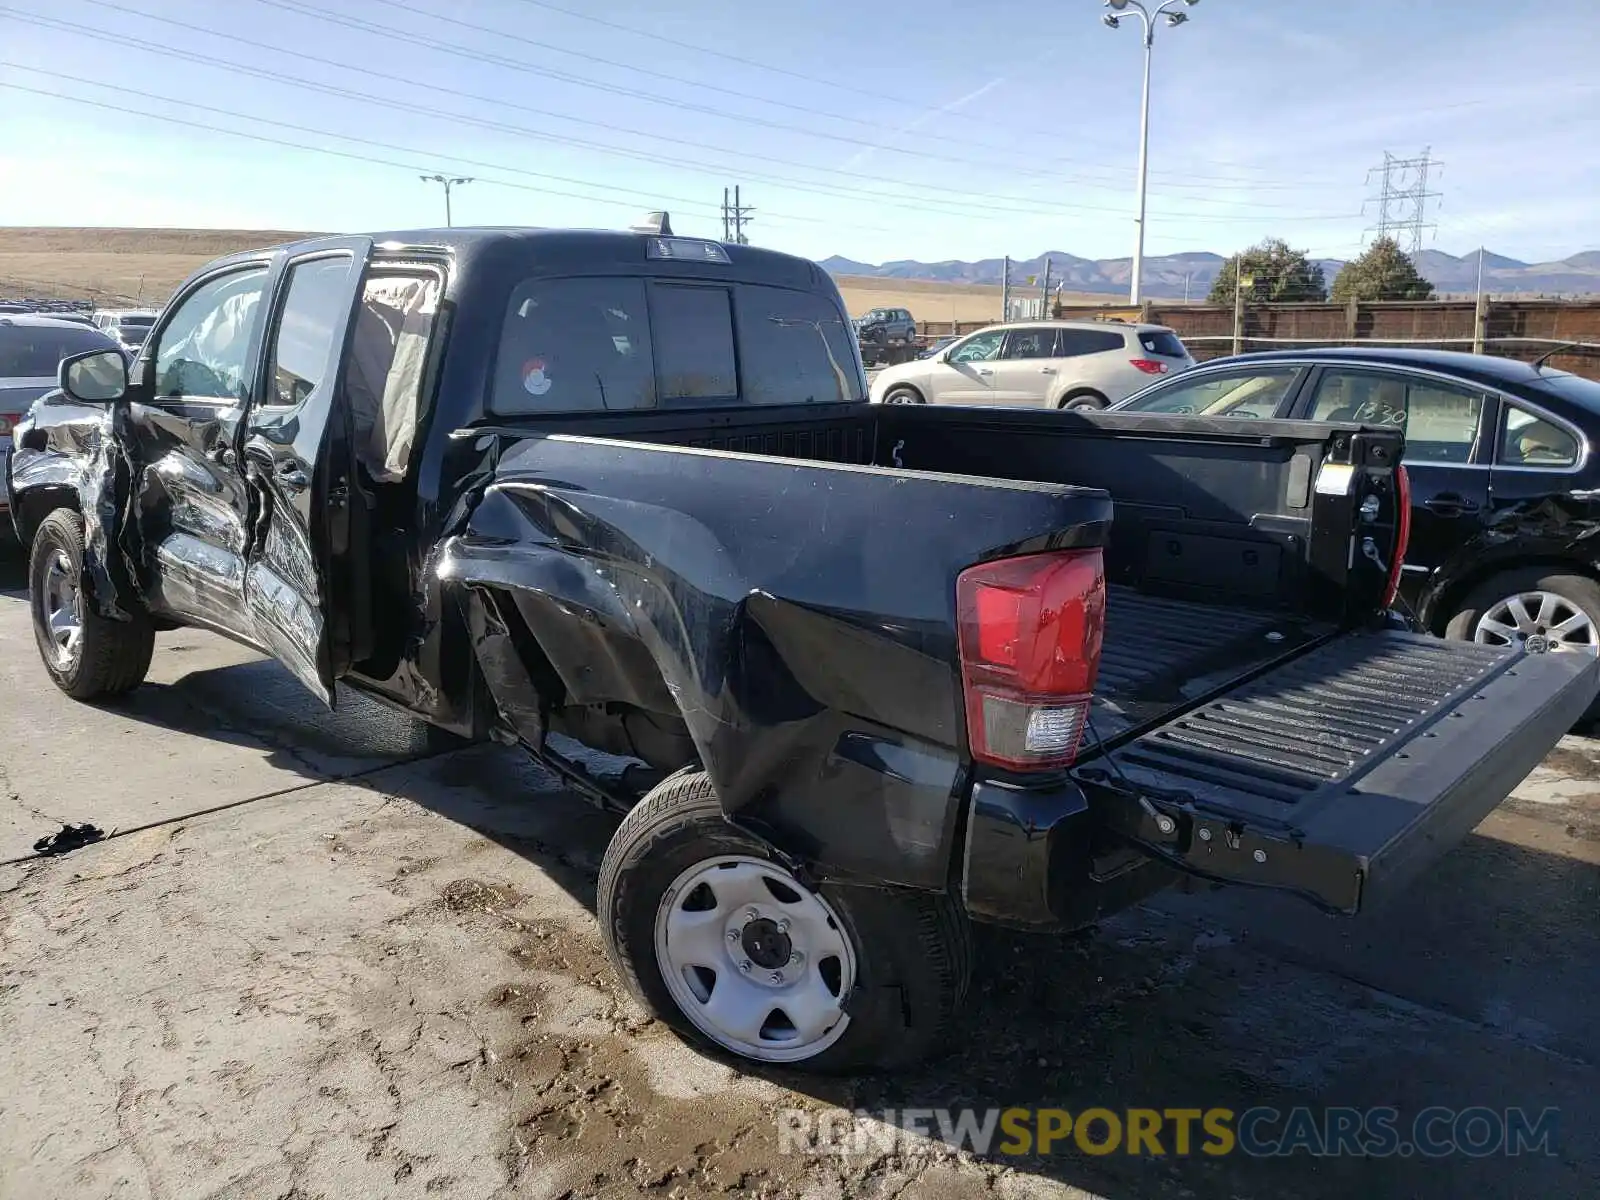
1044	292
1240	282
449	181
1479	313
1005	288
1402	199
1172	10
735	216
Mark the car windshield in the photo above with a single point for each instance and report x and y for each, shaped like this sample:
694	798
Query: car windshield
35	351
136	322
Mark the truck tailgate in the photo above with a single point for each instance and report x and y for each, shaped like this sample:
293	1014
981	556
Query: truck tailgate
1340	774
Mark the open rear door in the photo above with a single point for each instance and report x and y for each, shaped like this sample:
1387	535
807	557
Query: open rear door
1340	774
299	466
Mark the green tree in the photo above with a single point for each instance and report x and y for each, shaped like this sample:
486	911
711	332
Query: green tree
1383	272
1277	274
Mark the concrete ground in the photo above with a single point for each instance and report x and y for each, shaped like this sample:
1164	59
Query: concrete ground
314	962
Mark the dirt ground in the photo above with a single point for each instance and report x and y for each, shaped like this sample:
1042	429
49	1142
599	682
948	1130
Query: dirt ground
315	962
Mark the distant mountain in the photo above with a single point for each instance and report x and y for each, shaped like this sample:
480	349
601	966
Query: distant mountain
1167	275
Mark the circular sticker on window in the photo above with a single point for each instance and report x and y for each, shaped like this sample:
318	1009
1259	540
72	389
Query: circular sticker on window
534	380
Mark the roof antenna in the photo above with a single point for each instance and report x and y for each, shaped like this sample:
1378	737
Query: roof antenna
1538	363
656	224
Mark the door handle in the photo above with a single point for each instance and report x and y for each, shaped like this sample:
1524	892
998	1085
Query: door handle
1450	505
1047	370
985	371
292	474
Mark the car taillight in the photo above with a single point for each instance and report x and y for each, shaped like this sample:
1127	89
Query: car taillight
1402	499
1150	366
8	422
1030	631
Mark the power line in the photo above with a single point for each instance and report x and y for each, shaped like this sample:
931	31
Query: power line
299	8
1402	199
664	39
980	206
299	53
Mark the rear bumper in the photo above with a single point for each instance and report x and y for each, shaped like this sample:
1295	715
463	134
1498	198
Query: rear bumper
1036	857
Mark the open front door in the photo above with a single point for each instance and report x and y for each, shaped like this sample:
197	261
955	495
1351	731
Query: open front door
298	469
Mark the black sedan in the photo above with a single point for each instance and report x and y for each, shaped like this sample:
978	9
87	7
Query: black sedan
1505	480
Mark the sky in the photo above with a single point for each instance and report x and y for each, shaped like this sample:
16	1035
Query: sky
932	131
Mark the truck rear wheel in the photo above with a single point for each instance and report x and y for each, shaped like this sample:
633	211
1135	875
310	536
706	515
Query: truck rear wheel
718	939
88	656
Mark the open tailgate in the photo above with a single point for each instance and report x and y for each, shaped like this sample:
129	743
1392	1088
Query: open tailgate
1342	773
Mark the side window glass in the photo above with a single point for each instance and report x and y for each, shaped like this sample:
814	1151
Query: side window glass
384	374
1440	421
314	313
1030	343
575	345
204	352
980	347
1255	394
1531	441
693	343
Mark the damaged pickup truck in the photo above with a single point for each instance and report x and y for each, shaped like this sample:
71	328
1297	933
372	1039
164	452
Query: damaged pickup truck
887	670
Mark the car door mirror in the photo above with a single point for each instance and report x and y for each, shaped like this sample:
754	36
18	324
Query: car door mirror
95	376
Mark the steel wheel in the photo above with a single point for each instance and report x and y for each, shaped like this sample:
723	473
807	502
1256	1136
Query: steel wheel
758	963
63	605
1538	621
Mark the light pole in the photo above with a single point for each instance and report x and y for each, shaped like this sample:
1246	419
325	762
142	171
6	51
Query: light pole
1172	10
449	182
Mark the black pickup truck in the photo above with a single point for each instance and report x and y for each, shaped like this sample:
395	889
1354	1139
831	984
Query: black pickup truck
885	670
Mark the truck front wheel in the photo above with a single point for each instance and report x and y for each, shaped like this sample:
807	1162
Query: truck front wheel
87	656
718	939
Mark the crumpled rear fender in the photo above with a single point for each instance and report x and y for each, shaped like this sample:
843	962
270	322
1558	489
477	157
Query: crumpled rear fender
798	618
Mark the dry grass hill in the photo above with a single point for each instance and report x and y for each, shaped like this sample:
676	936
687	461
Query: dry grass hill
143	266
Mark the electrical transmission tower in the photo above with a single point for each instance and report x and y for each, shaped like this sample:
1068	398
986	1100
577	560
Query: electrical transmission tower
735	216
1402	199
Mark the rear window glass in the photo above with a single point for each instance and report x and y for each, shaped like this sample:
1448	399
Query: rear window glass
35	351
1073	342
1163	342
576	345
795	348
694	343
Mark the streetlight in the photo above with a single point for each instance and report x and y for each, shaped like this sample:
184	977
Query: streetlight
1172	10
451	181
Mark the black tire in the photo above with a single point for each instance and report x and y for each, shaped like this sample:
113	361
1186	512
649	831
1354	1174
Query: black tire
112	657
1085	400
903	395
913	949
1578	590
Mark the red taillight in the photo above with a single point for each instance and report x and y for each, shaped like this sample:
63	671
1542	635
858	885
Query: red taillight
8	422
1030	649
1402	499
1151	366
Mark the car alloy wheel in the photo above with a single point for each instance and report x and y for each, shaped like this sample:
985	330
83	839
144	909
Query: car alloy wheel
757	962
1538	621
63	605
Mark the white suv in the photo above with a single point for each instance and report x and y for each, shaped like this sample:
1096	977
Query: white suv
1055	364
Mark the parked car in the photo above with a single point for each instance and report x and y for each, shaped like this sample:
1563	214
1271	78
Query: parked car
1054	364
128	326
31	350
1505	481
886	335
885	670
